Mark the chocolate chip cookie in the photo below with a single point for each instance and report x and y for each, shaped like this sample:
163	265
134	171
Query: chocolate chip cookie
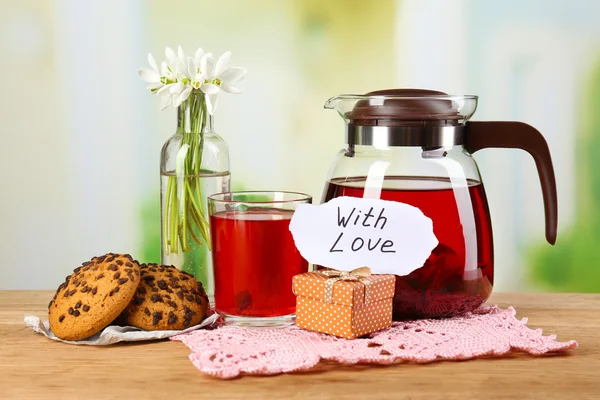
93	296
166	299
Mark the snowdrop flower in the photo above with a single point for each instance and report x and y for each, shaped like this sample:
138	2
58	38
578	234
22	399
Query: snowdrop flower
219	78
196	74
172	70
174	94
152	77
176	79
224	77
175	64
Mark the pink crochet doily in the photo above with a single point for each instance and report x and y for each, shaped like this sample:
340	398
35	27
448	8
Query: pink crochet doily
229	351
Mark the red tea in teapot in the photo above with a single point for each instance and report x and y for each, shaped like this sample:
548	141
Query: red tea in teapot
416	147
440	288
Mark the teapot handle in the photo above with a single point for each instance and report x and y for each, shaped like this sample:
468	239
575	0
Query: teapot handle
518	135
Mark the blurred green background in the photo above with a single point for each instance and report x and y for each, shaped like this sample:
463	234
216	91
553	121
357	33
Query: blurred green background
81	136
572	265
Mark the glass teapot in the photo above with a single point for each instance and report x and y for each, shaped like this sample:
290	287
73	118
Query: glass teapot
414	146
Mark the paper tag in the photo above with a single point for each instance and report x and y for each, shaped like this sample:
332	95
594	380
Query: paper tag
351	232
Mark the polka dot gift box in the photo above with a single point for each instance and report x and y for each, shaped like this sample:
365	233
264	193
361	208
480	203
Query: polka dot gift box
345	304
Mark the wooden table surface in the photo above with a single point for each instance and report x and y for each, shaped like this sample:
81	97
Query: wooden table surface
31	366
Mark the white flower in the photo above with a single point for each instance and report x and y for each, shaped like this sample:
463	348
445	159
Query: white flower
196	74
151	76
173	94
224	77
219	78
172	70
175	64
176	79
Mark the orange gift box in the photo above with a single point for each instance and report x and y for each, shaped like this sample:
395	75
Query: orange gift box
343	304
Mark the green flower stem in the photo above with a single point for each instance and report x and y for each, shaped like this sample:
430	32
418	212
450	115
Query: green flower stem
189	226
185	217
165	216
173	220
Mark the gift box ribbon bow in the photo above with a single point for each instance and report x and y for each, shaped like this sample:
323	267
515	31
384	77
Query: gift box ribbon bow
358	274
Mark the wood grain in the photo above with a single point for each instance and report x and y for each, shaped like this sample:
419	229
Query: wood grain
32	366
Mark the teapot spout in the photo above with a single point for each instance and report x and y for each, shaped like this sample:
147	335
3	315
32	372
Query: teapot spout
331	103
343	104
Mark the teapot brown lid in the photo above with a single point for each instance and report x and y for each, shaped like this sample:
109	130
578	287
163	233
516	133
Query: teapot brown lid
405	107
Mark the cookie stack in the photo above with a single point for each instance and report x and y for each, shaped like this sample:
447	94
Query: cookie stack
115	287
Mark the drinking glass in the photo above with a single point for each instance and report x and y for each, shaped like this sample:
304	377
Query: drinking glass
254	256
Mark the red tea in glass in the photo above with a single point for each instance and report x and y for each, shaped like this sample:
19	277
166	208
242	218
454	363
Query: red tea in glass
255	258
439	287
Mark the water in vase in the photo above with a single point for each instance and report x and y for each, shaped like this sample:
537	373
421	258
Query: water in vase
187	231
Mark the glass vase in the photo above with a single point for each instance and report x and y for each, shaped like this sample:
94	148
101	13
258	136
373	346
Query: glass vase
194	164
